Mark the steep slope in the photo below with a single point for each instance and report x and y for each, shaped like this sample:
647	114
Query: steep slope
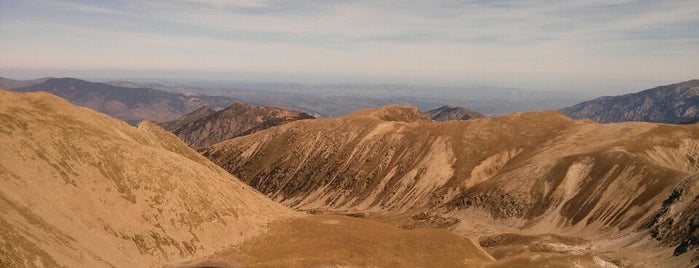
676	223
531	172
129	104
448	113
676	103
205	127
81	189
187	118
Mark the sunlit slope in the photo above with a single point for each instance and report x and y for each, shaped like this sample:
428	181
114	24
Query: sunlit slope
81	189
545	171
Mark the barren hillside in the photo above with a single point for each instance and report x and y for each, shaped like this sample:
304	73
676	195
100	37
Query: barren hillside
205	127
676	103
81	189
533	173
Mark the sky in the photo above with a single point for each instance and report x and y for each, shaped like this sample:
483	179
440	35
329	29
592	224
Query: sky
549	45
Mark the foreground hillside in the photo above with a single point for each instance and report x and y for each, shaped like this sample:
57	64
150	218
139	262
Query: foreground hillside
204	127
81	189
676	103
129	104
525	173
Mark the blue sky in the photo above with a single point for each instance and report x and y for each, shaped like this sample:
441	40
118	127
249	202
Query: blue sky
529	44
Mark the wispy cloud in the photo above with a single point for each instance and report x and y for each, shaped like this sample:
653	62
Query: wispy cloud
443	40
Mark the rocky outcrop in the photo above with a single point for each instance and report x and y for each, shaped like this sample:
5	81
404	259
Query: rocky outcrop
448	113
676	222
205	127
676	103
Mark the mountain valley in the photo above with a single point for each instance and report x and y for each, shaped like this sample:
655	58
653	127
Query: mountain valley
388	186
529	173
343	134
81	189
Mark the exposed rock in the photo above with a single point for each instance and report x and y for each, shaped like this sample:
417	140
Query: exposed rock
676	222
428	220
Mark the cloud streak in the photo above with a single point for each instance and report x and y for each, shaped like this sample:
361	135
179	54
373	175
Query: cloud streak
447	41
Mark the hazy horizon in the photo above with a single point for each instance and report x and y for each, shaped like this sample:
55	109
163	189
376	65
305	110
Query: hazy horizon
606	46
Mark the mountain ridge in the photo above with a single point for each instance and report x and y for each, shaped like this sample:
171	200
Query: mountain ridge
81	189
543	170
205	127
129	104
447	113
675	103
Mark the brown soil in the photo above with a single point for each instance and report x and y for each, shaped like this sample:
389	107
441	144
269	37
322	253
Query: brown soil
340	241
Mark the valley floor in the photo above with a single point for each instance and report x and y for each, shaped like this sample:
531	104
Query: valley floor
335	239
341	241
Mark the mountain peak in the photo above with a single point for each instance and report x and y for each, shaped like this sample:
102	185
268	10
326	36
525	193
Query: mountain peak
447	113
400	113
392	113
205	127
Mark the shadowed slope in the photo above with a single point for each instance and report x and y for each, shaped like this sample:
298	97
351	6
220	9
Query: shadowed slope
81	189
676	103
129	104
10	83
448	113
188	118
204	127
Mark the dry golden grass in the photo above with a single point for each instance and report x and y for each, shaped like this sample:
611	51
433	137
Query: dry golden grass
80	189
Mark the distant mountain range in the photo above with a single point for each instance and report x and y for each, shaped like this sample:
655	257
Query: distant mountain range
6	83
129	104
204	126
328	100
448	113
676	103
